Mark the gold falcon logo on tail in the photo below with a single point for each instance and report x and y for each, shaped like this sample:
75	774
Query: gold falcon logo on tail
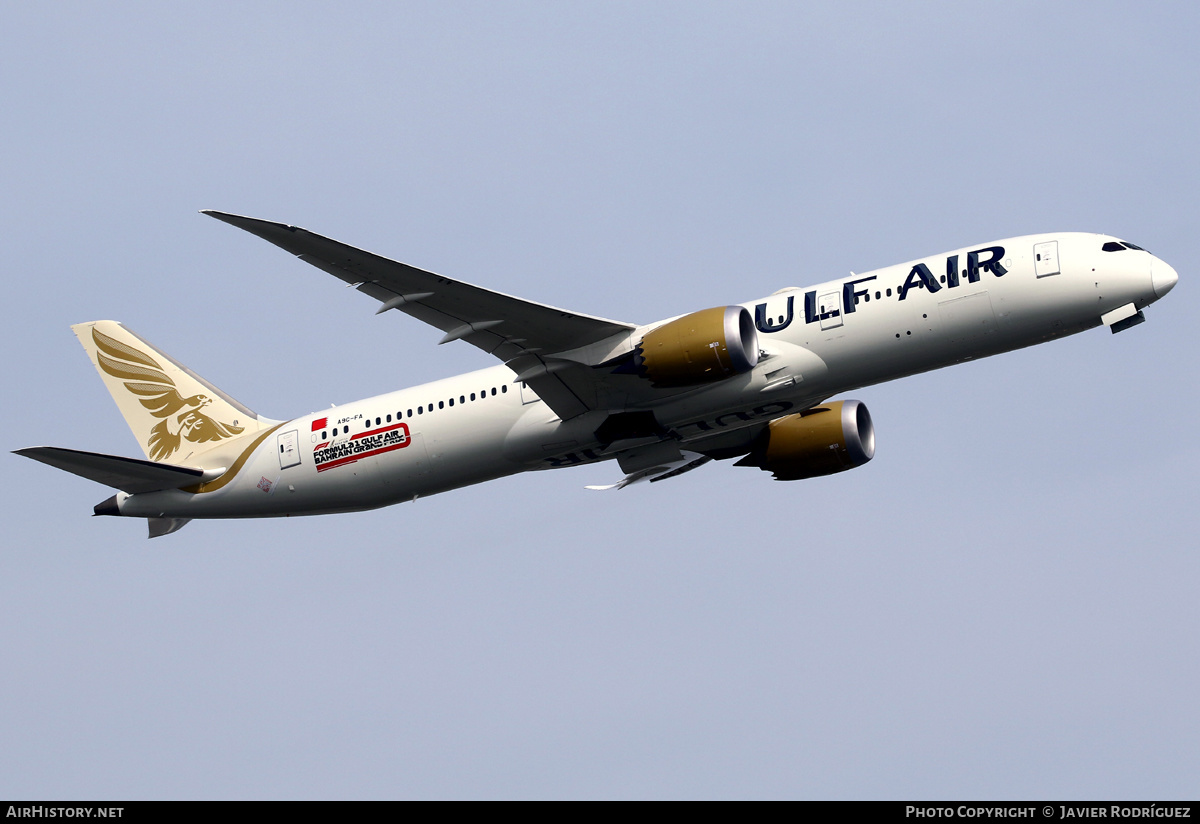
144	377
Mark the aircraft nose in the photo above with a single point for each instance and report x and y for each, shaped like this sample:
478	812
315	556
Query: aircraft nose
1163	277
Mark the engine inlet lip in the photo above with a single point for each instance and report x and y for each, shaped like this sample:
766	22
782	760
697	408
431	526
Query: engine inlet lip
741	337
859	432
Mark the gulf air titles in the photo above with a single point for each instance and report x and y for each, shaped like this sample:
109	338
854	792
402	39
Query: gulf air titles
751	381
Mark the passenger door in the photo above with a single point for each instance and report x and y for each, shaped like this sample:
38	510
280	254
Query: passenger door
289	449
829	309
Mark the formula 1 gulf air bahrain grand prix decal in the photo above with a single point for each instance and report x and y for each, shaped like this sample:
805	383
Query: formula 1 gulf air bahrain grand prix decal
145	377
367	444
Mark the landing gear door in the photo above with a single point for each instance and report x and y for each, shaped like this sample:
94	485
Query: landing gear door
829	308
1045	258
289	449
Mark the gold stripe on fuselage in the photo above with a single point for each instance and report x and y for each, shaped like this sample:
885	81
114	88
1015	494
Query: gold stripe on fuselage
214	485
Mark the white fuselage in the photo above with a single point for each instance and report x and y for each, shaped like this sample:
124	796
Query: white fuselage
817	342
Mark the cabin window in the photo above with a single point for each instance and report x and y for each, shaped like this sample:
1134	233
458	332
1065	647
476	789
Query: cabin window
378	422
889	293
452	401
389	418
493	390
325	434
441	404
420	410
472	396
410	413
504	388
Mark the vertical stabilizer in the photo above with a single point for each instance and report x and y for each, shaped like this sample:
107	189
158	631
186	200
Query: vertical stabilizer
174	413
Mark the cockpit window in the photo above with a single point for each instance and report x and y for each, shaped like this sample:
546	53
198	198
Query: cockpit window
1120	246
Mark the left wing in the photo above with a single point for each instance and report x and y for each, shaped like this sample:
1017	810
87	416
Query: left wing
521	333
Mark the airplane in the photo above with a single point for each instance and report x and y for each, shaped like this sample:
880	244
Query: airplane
752	381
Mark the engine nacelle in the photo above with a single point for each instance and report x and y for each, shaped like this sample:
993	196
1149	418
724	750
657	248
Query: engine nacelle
829	438
699	348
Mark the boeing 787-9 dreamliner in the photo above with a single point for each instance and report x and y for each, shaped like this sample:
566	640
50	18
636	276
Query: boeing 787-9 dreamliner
753	381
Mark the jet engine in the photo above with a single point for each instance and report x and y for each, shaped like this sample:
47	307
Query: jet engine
699	348
829	438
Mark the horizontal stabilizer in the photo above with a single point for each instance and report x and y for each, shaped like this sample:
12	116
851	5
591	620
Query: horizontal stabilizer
130	475
165	526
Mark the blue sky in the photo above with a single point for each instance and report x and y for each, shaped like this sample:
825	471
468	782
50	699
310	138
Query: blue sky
1002	604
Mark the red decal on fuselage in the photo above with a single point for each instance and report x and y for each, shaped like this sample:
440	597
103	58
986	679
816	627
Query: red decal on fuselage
363	445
